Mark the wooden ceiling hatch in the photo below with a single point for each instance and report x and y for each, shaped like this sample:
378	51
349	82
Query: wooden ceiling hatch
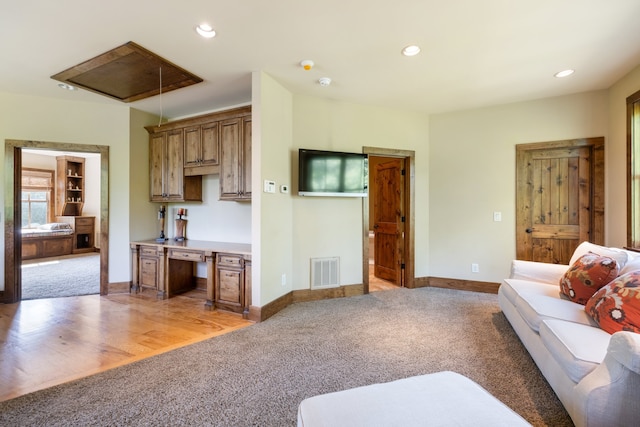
127	73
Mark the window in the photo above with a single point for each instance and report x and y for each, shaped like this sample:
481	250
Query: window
37	197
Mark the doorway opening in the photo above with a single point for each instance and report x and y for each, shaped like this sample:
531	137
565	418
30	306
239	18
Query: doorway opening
15	151
388	212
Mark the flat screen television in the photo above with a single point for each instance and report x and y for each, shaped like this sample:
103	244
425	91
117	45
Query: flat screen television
332	173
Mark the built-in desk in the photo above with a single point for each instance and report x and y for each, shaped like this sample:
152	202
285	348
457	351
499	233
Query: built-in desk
168	268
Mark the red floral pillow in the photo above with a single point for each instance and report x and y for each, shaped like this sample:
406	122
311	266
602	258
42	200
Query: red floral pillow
616	307
589	273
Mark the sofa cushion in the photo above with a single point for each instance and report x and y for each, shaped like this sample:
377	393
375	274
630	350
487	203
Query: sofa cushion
616	307
536	308
577	348
633	264
586	275
585	247
514	287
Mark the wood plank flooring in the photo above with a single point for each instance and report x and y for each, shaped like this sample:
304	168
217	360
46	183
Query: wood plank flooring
51	341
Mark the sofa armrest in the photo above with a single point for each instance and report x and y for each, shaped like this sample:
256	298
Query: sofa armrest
537	271
625	348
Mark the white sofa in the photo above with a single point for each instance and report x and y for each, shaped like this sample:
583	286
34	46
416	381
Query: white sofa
595	375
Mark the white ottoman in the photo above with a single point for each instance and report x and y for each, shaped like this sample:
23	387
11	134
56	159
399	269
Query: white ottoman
440	399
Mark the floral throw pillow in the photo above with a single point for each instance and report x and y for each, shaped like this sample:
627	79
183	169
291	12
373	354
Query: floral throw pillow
616	307
588	273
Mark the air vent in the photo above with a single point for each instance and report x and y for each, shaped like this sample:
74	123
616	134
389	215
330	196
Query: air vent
325	272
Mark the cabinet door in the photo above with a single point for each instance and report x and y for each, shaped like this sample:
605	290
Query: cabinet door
156	165
210	153
245	164
230	154
149	272
192	145
229	283
174	185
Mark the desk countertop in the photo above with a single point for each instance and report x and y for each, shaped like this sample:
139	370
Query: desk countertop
201	245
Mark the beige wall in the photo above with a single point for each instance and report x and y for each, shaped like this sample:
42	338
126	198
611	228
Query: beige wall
327	227
273	238
44	119
464	171
472	173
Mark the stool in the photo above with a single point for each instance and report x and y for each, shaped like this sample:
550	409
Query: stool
440	399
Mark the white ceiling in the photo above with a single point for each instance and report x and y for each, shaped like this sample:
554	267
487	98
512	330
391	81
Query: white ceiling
474	53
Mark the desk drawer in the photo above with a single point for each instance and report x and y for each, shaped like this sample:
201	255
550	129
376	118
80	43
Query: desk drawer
186	255
84	222
84	230
233	261
148	250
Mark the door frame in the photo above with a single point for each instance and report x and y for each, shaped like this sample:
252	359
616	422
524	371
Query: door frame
409	209
597	190
13	242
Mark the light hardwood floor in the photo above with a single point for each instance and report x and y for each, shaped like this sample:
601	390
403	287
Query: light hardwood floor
51	341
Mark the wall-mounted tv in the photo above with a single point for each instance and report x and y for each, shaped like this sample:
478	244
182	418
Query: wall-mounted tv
332	173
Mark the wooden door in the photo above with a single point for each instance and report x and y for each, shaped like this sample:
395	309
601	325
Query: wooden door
388	226
560	198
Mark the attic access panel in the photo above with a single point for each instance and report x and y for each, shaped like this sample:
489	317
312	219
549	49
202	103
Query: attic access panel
127	73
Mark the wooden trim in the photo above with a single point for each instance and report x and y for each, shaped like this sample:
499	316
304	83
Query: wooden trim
409	210
631	100
13	243
464	285
304	295
421	282
119	288
199	120
258	314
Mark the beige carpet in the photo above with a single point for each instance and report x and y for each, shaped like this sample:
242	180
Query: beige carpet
61	276
257	376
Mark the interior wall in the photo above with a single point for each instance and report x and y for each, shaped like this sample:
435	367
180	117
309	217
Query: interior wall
473	175
272	242
332	226
44	119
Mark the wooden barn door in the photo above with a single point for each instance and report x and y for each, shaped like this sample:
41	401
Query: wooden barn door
560	198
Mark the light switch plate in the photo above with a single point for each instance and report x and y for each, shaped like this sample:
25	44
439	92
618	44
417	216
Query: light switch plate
269	186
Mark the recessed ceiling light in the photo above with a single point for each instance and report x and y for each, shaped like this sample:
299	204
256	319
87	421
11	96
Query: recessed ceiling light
564	73
66	86
412	50
206	31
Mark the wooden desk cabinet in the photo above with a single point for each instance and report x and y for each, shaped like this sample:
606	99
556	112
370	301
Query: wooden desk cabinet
168	269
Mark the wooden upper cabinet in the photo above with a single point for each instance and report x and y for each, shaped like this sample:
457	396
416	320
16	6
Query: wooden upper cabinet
166	168
201	149
235	159
182	151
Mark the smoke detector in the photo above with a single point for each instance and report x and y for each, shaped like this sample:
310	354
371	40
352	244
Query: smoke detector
324	81
307	64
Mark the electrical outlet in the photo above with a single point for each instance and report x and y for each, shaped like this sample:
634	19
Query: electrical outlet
284	279
497	216
475	268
